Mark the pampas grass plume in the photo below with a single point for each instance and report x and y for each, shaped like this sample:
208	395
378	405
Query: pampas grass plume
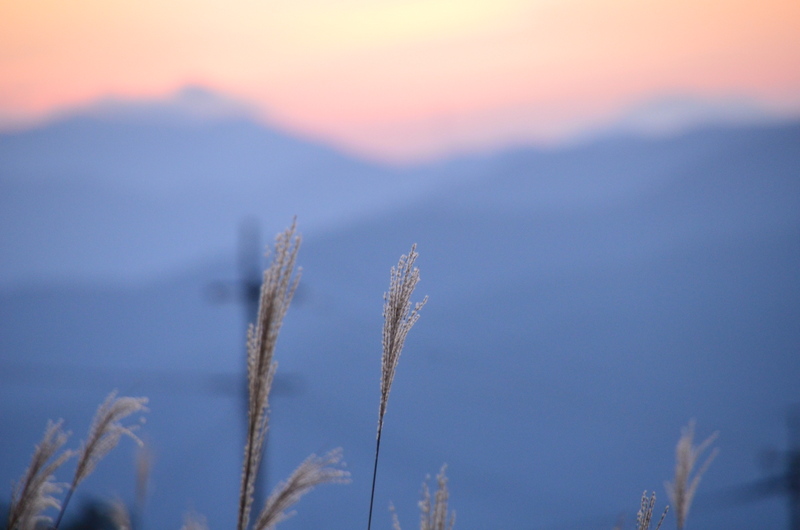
682	490
104	435
106	432
433	516
398	319
120	516
277	290
313	472
645	515
34	492
194	521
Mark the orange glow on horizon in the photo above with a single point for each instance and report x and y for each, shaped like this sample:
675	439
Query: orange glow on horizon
376	74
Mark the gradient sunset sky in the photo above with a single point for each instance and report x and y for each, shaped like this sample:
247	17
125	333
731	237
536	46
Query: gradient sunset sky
403	79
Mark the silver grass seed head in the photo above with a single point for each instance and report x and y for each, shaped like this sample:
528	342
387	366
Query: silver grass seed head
279	284
433	512
399	317
120	516
43	499
35	491
280	280
395	519
645	514
106	431
434	515
684	486
313	472
194	521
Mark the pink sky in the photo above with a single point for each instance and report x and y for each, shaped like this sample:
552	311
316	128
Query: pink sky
403	79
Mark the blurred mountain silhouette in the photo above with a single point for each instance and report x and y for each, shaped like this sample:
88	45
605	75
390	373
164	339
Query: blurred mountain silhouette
585	303
141	192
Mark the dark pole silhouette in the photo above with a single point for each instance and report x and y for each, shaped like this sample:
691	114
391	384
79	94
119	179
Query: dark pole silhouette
793	468
250	253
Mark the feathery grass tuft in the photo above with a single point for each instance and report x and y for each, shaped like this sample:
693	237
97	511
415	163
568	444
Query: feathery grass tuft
277	290
432	517
34	492
106	432
104	435
645	515
398	318
308	475
120	515
436	517
194	521
395	519
682	491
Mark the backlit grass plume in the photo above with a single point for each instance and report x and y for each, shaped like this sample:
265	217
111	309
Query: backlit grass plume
682	491
194	521
280	283
436	517
120	515
398	318
34	492
311	473
104	435
277	290
433	516
645	515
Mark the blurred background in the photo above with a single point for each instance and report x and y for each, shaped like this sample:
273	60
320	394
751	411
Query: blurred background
606	201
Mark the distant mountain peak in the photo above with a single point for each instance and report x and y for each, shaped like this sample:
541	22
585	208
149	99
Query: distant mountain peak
190	104
676	114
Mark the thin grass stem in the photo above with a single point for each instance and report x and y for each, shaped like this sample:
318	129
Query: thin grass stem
398	318
374	476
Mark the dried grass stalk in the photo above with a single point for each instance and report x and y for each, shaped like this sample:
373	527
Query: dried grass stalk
33	494
395	519
120	516
645	515
398	319
277	291
432	516
194	521
104	435
682	491
436	517
310	474
106	432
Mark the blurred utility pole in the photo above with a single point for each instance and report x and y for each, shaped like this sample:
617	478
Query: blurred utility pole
246	291
251	269
250	278
786	482
793	468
